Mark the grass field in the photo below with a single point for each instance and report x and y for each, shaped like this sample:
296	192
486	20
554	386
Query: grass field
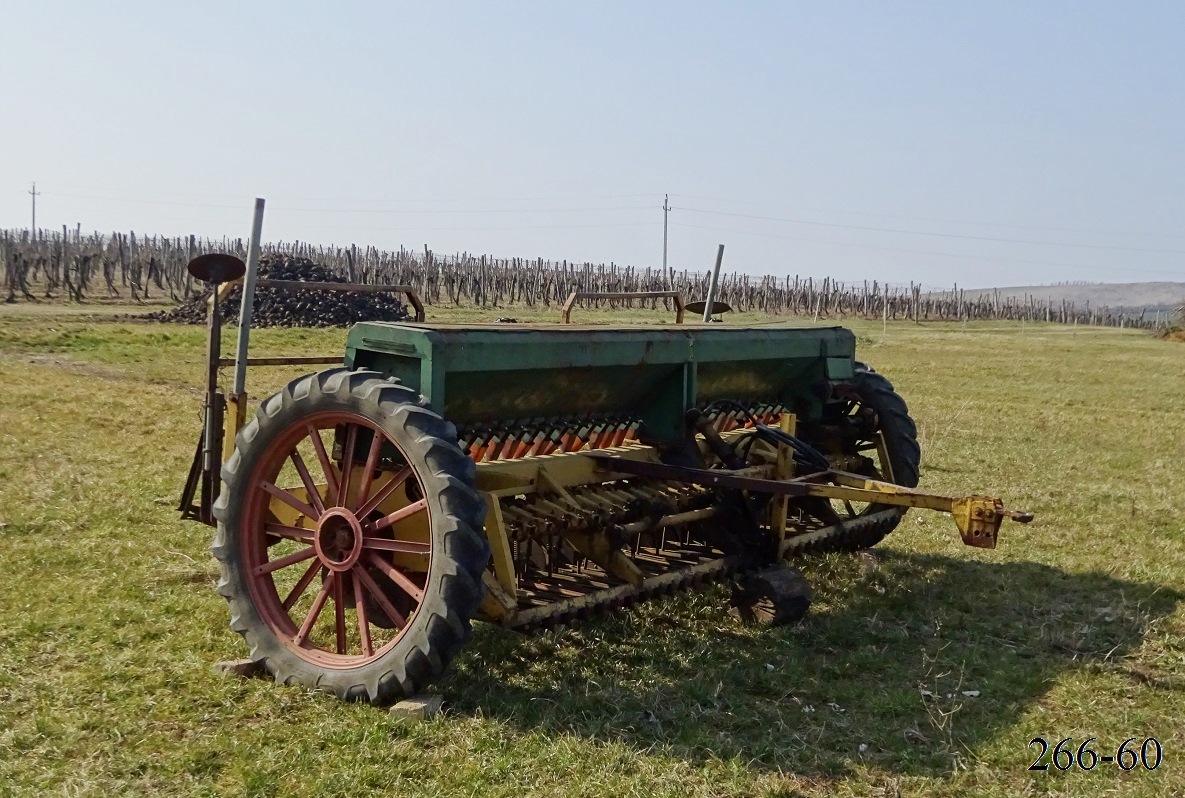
924	671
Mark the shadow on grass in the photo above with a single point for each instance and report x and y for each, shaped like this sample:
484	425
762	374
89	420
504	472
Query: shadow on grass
920	658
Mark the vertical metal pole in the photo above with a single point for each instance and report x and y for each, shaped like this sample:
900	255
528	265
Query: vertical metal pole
248	300
885	316
666	209
712	285
211	444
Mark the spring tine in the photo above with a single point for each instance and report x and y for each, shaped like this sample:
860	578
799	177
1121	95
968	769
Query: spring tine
543	432
483	452
631	432
536	434
594	432
524	444
495	443
619	434
542	436
473	451
508	441
568	439
491	449
556	441
579	437
604	435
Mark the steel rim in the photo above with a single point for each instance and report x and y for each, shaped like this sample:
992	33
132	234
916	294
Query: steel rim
355	531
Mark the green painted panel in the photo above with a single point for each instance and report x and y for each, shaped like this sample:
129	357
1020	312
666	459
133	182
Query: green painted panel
530	392
840	368
473	373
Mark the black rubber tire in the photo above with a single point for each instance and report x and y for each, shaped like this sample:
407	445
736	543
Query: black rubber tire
905	455
901	434
460	552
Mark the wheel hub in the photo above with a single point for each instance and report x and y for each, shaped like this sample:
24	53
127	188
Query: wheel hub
338	539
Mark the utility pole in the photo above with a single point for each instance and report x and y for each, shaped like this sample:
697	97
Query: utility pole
34	192
666	209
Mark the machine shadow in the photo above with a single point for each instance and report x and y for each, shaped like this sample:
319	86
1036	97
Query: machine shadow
918	658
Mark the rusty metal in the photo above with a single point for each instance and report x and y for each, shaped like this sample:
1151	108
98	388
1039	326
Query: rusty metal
204	480
312	360
977	517
698	307
216	268
576	296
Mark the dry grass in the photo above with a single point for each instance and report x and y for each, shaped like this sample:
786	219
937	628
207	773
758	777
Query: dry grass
1072	628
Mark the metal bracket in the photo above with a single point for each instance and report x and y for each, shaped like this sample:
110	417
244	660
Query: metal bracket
570	302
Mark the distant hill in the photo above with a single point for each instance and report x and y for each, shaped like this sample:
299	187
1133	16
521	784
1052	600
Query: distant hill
1132	296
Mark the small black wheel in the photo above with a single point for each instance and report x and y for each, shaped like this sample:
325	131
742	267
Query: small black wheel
774	596
360	580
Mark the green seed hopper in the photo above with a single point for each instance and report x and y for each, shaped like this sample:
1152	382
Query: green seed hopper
475	374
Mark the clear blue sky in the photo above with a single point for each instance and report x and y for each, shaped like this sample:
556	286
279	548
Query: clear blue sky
553	129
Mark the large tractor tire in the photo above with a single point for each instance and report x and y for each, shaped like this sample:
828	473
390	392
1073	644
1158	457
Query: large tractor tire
865	526
360	581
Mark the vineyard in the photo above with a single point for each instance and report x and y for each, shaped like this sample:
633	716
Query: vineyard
67	265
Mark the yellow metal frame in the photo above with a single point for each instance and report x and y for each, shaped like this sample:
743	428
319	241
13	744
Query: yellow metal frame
549	479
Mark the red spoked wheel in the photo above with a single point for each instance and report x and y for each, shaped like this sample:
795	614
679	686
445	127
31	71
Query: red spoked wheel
337	539
350	537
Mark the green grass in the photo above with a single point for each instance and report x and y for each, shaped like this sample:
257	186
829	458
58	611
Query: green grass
1073	627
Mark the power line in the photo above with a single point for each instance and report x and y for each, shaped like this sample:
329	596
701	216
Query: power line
237	206
932	234
144	201
366	210
930	252
931	219
469	211
504	227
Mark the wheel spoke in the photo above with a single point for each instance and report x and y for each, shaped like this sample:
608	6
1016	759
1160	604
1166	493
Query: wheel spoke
303	633
289	532
284	562
323	457
401	546
339	613
399	515
307	479
290	500
384	493
396	576
343	487
380	598
372	461
300	587
363	623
